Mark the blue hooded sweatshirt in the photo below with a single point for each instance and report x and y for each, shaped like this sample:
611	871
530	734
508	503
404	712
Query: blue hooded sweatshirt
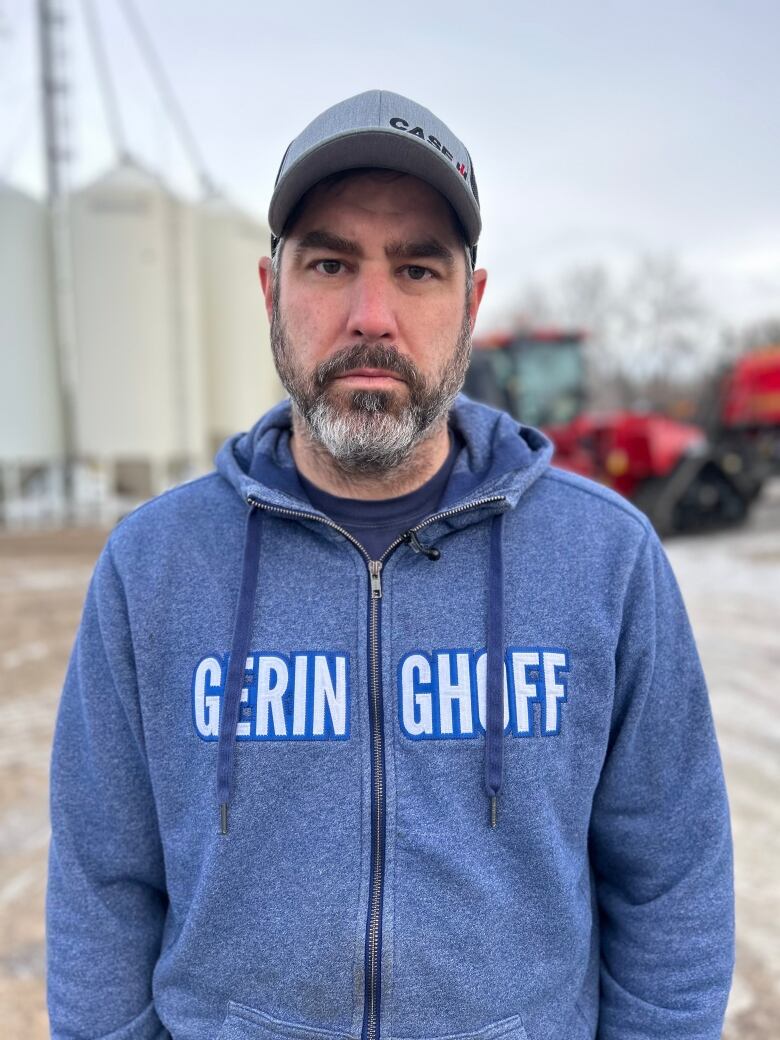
469	791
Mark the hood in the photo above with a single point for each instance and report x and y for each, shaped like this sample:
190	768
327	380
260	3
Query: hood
499	457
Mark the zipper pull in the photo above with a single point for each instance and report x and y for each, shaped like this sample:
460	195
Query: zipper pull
375	570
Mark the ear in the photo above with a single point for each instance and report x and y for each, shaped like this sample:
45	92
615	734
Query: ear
267	284
478	291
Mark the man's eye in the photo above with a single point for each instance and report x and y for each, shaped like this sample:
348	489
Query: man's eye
418	274
328	266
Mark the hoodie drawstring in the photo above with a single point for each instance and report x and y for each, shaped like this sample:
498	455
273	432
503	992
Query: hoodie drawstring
239	649
494	707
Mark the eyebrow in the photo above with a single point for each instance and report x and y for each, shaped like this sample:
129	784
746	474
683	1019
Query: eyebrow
427	248
407	249
327	240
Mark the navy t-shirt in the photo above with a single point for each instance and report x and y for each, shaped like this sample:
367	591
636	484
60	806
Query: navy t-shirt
376	523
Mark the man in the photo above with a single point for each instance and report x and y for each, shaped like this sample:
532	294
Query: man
387	728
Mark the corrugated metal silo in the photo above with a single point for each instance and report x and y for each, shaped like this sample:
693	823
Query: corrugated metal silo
242	380
30	409
140	351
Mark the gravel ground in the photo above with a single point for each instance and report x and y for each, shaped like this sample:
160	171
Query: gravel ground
731	582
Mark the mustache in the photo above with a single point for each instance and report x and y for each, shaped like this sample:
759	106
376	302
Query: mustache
366	355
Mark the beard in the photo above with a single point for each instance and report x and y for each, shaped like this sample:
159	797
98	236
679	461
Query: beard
370	431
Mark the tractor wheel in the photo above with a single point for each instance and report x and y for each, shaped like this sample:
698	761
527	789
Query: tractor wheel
702	499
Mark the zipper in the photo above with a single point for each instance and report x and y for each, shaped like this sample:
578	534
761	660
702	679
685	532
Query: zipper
374	924
301	514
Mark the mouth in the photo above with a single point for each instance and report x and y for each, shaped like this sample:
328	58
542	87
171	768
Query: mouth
369	378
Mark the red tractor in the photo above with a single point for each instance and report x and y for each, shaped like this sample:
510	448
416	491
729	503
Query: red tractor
684	480
743	417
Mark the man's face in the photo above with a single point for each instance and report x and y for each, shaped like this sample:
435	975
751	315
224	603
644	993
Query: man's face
370	316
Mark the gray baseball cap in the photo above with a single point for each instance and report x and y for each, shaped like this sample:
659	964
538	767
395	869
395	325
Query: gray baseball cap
378	129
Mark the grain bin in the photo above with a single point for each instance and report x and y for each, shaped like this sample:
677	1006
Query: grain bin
140	396
242	381
30	412
32	444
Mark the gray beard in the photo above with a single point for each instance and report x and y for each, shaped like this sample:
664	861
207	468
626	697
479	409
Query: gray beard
370	431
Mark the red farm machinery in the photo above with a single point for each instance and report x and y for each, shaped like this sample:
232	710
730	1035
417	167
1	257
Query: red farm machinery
685	477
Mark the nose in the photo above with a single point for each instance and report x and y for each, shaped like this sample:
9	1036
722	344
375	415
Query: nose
372	311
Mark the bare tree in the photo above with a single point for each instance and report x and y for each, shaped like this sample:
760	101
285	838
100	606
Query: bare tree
664	321
763	333
534	307
648	330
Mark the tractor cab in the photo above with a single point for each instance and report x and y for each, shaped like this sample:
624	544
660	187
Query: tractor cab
536	375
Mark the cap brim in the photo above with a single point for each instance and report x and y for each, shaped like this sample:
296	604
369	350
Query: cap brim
384	149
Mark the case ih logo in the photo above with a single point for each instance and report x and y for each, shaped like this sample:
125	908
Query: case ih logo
401	124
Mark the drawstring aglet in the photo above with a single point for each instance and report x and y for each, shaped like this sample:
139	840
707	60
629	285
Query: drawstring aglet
493	810
410	537
223	809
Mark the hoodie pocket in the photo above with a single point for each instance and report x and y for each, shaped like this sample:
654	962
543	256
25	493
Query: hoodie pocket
507	1029
245	1023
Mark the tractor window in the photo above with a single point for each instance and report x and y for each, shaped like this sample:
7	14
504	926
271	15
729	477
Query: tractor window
539	383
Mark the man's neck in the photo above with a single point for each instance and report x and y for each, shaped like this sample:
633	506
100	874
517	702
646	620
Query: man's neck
319	466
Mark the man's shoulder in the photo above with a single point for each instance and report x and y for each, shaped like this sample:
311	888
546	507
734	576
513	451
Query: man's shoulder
176	517
582	513
587	495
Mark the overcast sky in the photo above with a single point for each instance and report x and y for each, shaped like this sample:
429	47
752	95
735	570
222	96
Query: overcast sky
598	130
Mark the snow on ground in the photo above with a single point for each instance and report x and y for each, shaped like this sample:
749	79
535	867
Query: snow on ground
731	585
